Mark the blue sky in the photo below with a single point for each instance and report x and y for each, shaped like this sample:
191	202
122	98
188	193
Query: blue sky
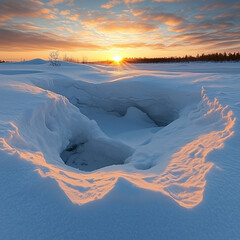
130	28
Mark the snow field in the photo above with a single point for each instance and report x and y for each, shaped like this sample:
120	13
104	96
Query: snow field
154	129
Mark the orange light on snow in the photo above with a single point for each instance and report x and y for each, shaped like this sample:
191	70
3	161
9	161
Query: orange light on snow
186	188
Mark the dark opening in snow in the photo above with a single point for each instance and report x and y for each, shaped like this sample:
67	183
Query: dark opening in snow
95	153
126	126
128	113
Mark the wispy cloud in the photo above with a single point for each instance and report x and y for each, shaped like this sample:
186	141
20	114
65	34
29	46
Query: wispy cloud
140	45
26	26
127	27
236	6
212	25
14	40
166	18
170	1
166	25
24	9
56	2
213	6
65	12
121	23
200	16
112	3
213	40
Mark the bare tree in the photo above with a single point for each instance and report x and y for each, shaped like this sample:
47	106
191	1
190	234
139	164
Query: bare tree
54	58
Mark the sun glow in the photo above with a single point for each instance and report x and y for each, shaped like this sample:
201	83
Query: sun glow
117	58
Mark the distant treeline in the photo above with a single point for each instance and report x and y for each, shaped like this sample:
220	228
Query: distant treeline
2	61
214	57
74	60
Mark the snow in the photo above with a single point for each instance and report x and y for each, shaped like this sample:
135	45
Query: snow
147	151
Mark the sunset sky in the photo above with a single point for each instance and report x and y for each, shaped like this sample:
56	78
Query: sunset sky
101	29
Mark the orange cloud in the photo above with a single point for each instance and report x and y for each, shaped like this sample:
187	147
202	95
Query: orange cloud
213	6
138	12
65	29
74	17
225	15
133	1
112	3
120	23
24	9
65	12
226	44
55	2
14	40
169	1
236	6
139	45
166	18
200	16
27	27
204	25
207	41
131	27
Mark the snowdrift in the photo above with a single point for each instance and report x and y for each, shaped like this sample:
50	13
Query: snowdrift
51	132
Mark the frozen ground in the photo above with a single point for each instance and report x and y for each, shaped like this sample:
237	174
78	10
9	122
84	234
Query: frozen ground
148	151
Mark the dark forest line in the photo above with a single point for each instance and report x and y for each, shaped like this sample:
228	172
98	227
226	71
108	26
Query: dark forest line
213	57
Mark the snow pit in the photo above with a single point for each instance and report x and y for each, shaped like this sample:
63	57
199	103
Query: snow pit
128	112
133	128
95	154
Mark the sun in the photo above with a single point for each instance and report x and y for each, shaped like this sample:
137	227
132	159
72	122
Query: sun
117	58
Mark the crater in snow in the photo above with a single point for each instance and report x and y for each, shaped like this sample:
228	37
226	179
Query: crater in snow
133	129
157	122
92	155
128	113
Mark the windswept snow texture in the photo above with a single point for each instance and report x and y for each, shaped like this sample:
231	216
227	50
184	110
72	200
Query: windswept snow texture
146	151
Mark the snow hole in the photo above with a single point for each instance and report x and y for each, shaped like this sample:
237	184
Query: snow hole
125	132
129	114
95	154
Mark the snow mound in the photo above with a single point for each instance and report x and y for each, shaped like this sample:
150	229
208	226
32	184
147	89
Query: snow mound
36	61
137	117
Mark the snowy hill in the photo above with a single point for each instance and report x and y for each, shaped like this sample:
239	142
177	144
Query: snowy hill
36	61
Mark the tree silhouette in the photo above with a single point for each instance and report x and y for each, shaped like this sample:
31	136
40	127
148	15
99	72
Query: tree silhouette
54	58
